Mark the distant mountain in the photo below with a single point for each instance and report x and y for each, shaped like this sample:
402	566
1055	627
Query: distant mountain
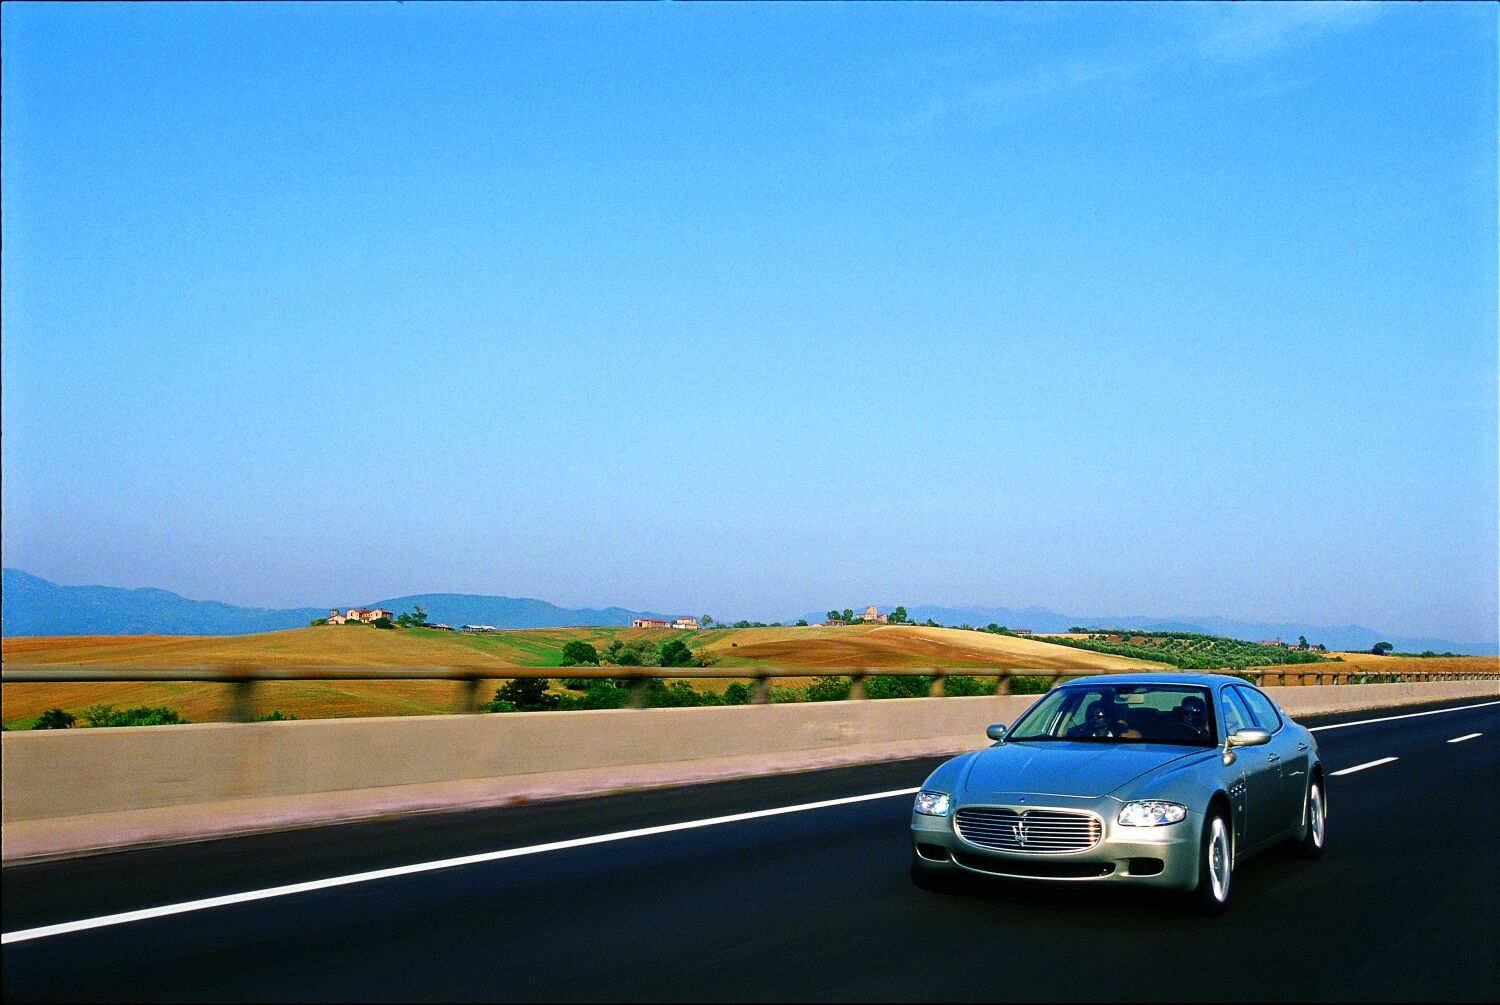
30	605
33	606
1038	619
458	609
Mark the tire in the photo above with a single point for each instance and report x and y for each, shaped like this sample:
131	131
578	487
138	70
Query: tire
1315	812
1215	864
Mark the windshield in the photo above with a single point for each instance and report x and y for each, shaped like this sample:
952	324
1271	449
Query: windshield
1121	713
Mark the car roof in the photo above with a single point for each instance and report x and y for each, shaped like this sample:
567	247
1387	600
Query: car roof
1200	679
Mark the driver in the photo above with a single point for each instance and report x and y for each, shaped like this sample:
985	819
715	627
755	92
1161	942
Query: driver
1192	712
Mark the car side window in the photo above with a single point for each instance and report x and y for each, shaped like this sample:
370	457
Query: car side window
1236	715
1261	708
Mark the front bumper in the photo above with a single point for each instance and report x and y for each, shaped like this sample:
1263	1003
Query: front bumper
1165	857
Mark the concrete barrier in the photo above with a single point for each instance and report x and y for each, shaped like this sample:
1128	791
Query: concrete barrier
73	791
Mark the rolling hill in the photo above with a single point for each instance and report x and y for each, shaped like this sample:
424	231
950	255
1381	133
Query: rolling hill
816	648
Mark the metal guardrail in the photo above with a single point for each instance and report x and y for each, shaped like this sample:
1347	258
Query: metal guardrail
243	679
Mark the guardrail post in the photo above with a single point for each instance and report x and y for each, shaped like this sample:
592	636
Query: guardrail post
468	695
938	685
857	687
1319	677
760	691
1002	683
637	697
241	698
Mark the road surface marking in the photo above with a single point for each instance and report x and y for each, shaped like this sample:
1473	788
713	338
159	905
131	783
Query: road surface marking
1367	764
1468	736
407	870
495	856
1408	715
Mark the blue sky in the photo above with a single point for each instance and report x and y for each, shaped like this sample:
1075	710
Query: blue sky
1177	309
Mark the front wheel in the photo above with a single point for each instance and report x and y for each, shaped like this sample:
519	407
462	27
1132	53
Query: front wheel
1311	845
1215	865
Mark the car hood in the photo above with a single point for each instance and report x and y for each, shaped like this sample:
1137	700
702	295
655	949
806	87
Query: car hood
1065	768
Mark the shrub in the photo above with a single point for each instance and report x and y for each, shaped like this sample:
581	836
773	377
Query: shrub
524	694
577	653
275	715
140	715
680	694
828	689
786	695
737	693
968	687
600	694
499	705
1030	685
315	622
54	718
383	622
898	687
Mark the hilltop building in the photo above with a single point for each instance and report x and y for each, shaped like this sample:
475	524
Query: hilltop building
690	623
650	623
872	617
367	615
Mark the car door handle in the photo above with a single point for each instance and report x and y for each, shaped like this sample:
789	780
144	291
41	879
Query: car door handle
1274	758
1301	746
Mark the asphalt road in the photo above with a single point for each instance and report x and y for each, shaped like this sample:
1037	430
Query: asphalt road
810	905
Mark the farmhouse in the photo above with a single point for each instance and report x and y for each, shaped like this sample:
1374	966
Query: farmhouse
691	623
650	623
367	615
479	628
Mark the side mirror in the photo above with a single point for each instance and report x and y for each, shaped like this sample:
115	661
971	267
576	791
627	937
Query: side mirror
997	732
1249	738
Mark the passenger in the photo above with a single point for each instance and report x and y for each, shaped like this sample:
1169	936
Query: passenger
1096	723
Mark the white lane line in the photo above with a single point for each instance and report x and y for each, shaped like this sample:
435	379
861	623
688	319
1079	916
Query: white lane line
407	870
1466	736
1408	715
1367	764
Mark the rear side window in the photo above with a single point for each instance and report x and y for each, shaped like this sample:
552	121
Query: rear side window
1261	708
1236	715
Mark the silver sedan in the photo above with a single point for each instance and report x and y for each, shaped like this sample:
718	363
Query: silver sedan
1163	780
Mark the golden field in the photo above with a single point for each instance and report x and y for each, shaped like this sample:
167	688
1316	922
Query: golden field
814	647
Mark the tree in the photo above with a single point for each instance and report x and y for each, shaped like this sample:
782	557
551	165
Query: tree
54	718
579	653
416	619
898	616
675	654
1381	648
524	694
1302	642
848	614
833	615
706	620
801	622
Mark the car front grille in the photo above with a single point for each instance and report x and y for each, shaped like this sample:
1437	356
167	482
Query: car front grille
1038	831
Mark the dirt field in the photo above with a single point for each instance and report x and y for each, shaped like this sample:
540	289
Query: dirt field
340	645
1412	664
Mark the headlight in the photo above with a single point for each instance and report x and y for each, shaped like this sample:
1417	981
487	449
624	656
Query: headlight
1151	813
933	804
